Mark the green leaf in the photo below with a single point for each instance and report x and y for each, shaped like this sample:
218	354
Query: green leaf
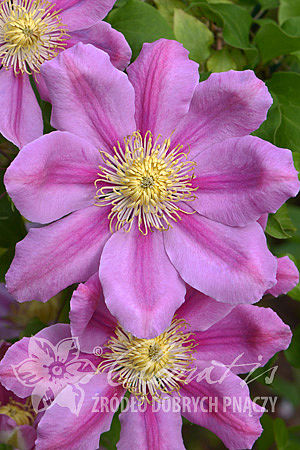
286	87
268	128
193	34
12	228
295	293
226	59
248	4
293	352
280	225
140	23
221	61
269	4
281	433
167	7
266	439
287	389
296	158
292	26
219	1
272	41
288	9
6	257
235	21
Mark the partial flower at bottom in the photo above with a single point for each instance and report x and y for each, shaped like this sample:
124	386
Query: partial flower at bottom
194	360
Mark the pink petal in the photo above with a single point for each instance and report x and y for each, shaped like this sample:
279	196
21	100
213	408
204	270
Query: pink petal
229	104
41	86
237	429
53	176
263	220
20	386
106	38
153	430
90	319
89	96
26	437
141	287
287	277
67	350
200	311
249	335
240	179
231	265
164	80
60	428
20	115
77	14
40	349
53	257
22	351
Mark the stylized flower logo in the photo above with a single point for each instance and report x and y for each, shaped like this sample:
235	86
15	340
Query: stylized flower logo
50	368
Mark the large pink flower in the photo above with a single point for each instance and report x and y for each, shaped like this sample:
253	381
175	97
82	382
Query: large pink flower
54	25
223	340
175	202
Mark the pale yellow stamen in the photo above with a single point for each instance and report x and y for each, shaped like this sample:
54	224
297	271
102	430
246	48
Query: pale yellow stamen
149	368
21	413
31	32
145	180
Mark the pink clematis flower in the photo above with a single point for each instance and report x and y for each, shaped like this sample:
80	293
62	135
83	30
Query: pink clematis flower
174	202
34	31
196	359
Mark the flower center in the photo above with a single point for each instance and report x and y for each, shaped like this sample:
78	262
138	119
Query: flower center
31	33
145	180
21	413
150	367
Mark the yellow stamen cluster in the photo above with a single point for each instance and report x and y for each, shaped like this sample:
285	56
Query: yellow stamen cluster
31	33
21	413
150	367
145	180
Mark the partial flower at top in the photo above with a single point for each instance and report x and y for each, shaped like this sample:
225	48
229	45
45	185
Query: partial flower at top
35	31
152	177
